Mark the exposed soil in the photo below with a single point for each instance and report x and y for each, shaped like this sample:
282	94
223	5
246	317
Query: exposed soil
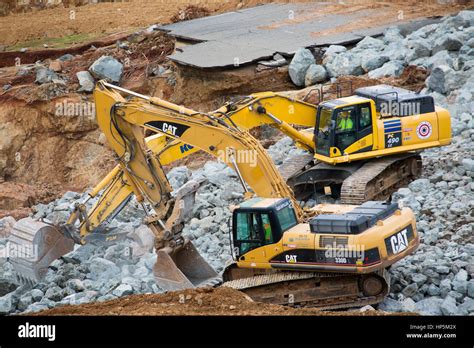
216	301
98	20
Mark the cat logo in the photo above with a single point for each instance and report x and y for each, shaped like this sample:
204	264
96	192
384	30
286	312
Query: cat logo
399	241
167	128
171	128
290	258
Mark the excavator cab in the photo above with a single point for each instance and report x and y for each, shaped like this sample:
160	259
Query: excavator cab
343	124
260	221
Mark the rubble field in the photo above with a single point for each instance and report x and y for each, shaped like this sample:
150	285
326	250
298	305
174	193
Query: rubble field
52	153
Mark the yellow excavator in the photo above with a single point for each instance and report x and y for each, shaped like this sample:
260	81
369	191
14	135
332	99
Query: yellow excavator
361	147
333	256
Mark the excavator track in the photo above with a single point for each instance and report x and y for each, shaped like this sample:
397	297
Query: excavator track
326	291
295	165
378	178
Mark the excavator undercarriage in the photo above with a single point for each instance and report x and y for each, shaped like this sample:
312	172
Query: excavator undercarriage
354	182
328	291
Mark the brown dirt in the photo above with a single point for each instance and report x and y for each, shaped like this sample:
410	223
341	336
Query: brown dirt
99	19
17	198
217	301
190	12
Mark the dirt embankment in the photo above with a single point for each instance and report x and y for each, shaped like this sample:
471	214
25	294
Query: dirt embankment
217	301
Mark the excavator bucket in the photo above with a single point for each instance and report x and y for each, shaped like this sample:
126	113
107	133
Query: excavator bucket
33	246
185	269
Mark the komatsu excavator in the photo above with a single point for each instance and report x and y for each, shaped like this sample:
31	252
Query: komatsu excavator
360	148
333	256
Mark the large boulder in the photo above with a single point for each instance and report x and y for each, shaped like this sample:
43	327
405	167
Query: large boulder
86	81
392	68
107	68
373	62
370	43
450	42
346	63
417	49
299	66
315	74
443	79
429	306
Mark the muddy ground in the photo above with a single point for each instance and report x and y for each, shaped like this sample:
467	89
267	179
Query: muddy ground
216	301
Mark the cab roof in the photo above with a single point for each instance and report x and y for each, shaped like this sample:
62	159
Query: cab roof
339	102
259	202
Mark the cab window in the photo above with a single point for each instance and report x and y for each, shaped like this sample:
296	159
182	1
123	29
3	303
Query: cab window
365	119
287	218
345	120
253	231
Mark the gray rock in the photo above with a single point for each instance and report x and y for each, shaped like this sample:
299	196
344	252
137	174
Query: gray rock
36	307
316	73
101	267
458	208
392	34
76	285
442	269
66	57
36	295
433	290
468	164
123	290
440	58
54	293
448	307
419	185
390	305
419	279
334	49
448	42
108	68
470	288
467	17
299	65
392	68
408	305
410	290
24	302
437	81
7	304
429	306
374	62
370	43
86	81
346	63
44	75
7	286
417	49
467	306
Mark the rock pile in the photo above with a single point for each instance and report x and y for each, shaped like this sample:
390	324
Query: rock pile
437	279
445	48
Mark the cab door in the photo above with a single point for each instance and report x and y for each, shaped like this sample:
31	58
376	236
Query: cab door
345	127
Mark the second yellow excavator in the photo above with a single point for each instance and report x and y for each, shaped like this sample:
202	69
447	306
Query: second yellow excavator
333	256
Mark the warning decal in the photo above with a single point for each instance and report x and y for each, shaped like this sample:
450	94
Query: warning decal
424	130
